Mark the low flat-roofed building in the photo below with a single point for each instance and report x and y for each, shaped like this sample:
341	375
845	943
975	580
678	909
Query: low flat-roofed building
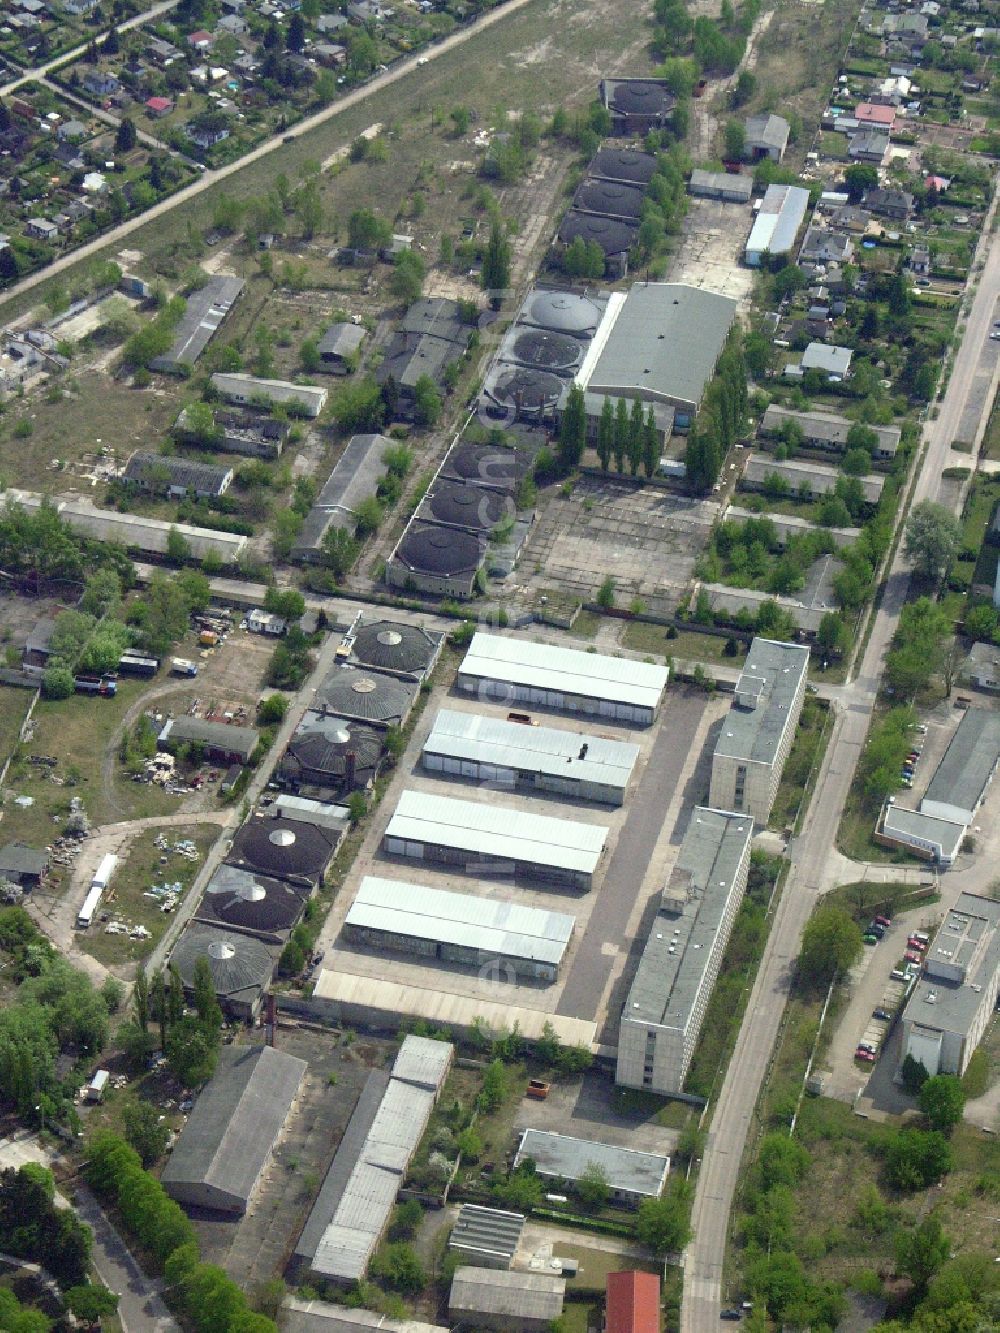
803	477
981	669
730	187
219	740
765	135
161	474
227	1141
779	218
930	838
246	900
735	604
488	1298
662	1015
631	1175
397	647
791	525
366	695
632	1303
241	966
961	779
23	865
316	1316
494	840
248	390
459	928
205	312
486	1237
514	670
758	730
541	759
303	810
956	995
354	478
823	430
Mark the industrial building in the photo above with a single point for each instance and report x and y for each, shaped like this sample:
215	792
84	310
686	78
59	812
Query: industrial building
735	604
250	390
932	839
615	236
956	996
623	164
545	675
303	810
961	779
443	562
611	199
236	432
176	478
219	741
485	1298
357	1197
284	848
537	759
726	186
496	465
632	1303
486	1237
492	840
395	646
457	504
368	696
802	477
354	478
782	212
316	1316
525	942
204	314
241	966
230	1134
758	730
135	532
680	962
248	901
637	106
330	756
430	337
823	430
631	1176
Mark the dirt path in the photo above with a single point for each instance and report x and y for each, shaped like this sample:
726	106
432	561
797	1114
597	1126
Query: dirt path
707	113
128	721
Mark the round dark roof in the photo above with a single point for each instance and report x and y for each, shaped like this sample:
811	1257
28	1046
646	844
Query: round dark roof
546	350
394	646
365	695
611	235
255	902
563	312
466	506
623	164
324	743
236	962
493	465
530	391
282	847
610	197
641	97
426	548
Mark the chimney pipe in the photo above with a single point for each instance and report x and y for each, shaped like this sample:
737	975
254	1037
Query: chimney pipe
350	768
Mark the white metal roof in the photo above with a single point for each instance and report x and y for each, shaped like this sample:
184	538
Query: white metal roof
550	667
567	754
494	830
423	1061
508	930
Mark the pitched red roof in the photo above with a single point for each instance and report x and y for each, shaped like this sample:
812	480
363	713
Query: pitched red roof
872	114
159	103
633	1303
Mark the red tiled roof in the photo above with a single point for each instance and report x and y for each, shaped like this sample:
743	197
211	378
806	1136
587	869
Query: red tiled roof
875	115
633	1303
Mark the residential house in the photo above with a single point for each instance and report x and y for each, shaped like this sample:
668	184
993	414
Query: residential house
330	54
868	146
158	107
875	115
823	245
100	83
71	129
329	23
920	259
41	229
834	362
200	40
897	205
205	138
162	53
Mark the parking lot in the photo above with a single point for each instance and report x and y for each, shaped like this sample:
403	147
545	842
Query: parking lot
640	851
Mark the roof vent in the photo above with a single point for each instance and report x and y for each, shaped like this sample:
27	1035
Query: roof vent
220	950
282	837
251	893
389	637
364	686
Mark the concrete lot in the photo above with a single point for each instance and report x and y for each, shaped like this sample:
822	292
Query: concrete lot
585	1109
636	863
711	249
647	540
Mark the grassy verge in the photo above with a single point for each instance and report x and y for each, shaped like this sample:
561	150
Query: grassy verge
686	644
811	737
14	705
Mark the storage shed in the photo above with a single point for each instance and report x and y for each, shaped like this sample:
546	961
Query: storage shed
483	1298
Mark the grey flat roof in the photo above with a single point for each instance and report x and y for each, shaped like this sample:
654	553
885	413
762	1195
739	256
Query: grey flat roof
826	426
239	386
678	949
220	735
567	1158
235	1121
503	1294
941	833
19	858
734	600
968	763
205	311
354	478
825	356
497	831
320	1317
566	670
822	477
792	525
569	754
504	929
970	942
664	343
721	182
771	675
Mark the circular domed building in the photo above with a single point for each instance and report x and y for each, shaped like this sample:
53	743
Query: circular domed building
283	848
563	312
241	966
249	901
477	508
330	756
391	645
437	560
366	696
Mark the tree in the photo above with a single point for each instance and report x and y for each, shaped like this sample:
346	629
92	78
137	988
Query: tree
340	550
592	1186
90	1303
932	538
496	263
407	281
308	200
859	177
606	594
127	137
295	38
366	230
942	1100
460	120
57	681
606	434
494	1089
916	1158
205	1000
621	434
921	1252
368	516
272	710
178	547
192	1051
426	401
636	430
145	1130
832	635
650	444
398	1266
914	1074
831	943
288	603
735	141
663	1224
573	429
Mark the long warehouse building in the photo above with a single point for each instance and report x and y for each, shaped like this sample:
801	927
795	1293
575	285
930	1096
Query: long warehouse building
961	779
527	942
538	759
544	675
666	1003
494	840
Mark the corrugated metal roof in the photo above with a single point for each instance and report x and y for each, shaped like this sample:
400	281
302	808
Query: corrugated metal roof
493	830
567	754
505	929
423	1061
567	1158
500	1293
551	667
778	220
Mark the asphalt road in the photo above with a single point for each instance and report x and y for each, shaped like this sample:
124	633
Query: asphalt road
810	854
210	178
584	988
140	1307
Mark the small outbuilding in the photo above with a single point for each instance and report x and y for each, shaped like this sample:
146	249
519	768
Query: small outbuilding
485	1298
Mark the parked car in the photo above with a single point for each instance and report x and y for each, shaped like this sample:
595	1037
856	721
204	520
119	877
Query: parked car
866	1046
733	1315
922	936
914	943
883	920
869	938
862	1054
875	929
912	957
899	974
882	1015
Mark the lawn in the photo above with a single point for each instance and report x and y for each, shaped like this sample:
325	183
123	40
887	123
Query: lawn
803	763
991	439
145	864
688	645
14	705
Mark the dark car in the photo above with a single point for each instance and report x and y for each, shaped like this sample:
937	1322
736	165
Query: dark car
882	1015
875	929
734	1315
